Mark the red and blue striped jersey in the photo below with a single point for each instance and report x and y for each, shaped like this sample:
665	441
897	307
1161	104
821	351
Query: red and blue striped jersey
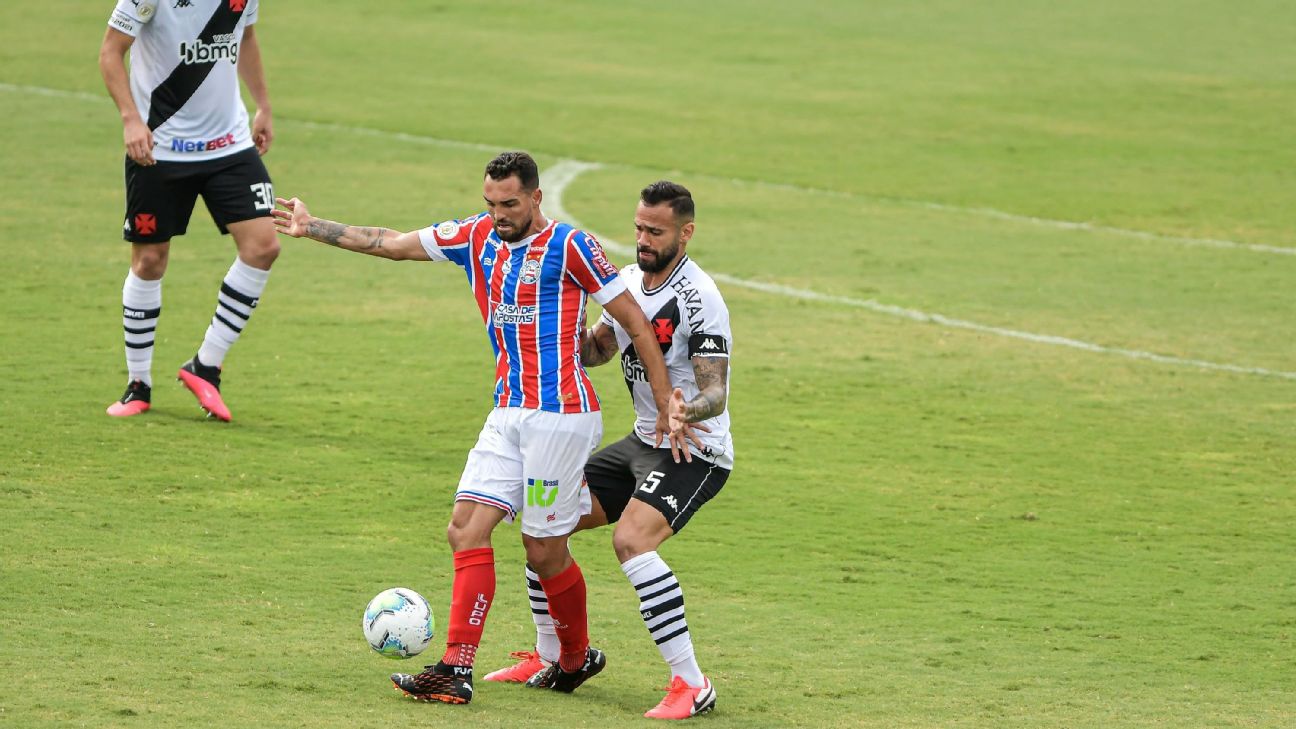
532	298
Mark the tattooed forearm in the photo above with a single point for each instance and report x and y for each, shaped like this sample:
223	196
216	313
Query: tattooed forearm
350	237
325	231
712	375
598	346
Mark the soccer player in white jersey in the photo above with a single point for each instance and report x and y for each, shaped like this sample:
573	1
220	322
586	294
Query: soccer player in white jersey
647	491
186	134
531	278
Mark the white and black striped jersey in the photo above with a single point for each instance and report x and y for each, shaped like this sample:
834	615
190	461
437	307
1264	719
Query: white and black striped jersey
184	73
690	319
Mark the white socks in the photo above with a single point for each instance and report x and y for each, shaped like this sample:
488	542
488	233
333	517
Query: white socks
546	636
141	306
239	294
661	605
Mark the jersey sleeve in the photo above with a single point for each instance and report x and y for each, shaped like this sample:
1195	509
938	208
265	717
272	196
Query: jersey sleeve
450	240
589	267
710	336
129	16
250	12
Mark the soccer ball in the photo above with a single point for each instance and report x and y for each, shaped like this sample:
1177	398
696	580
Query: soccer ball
398	623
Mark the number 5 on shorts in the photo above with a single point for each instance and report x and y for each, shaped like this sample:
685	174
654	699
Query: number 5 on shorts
651	482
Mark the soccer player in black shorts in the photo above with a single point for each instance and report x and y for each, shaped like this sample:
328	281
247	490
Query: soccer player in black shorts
186	134
649	494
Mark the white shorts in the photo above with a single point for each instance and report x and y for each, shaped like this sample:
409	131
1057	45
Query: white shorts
533	462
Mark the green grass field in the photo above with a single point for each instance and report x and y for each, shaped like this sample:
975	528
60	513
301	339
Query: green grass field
928	526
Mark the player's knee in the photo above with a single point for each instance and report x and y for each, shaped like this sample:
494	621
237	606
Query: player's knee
149	262
463	536
547	557
629	542
261	254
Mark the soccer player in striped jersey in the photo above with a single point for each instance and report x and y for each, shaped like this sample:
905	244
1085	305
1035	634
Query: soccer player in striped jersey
651	494
531	277
186	134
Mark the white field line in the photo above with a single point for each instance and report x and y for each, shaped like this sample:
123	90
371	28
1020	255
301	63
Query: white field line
561	174
953	209
558	177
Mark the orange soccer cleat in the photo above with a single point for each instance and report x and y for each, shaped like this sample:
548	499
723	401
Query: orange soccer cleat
683	700
529	664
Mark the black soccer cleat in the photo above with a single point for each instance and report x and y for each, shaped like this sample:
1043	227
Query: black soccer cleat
442	682
136	400
553	677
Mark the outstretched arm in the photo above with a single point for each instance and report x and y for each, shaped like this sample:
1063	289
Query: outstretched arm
296	221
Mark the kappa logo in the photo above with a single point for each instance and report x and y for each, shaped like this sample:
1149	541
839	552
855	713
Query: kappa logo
709	344
183	4
145	224
670	499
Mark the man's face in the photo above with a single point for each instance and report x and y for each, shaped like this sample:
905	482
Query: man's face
512	209
659	237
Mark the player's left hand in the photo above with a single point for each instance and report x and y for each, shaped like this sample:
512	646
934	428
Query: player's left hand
292	219
681	431
262	131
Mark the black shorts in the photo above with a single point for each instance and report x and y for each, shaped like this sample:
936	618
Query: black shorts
631	467
160	198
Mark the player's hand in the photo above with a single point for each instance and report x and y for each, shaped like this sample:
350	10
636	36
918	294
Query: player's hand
262	131
292	219
681	431
139	142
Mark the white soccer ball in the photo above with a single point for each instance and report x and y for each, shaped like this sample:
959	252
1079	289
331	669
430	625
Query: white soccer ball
398	623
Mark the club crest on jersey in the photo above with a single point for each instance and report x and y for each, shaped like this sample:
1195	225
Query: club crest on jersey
224	47
530	271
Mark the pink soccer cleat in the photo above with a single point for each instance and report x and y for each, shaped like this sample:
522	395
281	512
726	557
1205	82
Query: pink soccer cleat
529	664
135	401
204	383
683	700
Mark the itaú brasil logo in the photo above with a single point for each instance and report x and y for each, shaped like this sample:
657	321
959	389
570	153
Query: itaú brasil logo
224	47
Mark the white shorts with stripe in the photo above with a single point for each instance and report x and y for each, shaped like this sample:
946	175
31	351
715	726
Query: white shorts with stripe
533	462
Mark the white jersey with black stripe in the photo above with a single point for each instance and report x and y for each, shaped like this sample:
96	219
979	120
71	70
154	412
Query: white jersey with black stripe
689	317
184	73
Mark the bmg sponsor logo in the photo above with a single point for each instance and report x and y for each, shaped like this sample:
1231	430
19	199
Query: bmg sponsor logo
224	47
202	145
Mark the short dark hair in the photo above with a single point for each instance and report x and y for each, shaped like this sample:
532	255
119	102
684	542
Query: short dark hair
515	163
670	193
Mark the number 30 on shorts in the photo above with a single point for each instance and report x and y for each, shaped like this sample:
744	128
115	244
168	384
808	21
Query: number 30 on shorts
264	194
651	482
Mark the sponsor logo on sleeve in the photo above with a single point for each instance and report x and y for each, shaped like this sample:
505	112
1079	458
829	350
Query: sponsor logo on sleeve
599	258
448	229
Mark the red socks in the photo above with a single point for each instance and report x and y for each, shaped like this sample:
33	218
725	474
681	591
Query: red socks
566	593
474	589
